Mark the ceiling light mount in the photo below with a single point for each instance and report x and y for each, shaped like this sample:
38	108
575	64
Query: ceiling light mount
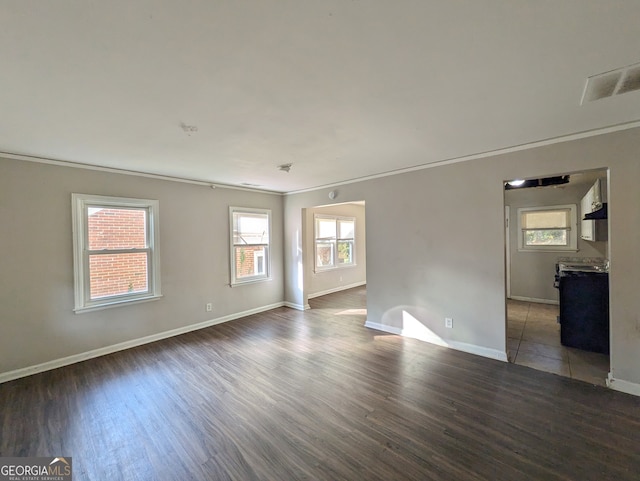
188	128
544	182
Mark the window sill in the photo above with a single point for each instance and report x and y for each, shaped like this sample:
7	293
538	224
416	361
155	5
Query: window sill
250	281
548	250
336	268
107	305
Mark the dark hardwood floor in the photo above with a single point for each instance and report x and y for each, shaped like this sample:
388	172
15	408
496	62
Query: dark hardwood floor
289	395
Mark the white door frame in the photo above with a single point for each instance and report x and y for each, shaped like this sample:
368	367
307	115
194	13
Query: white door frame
507	252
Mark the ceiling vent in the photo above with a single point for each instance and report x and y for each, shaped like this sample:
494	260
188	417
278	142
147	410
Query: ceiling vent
615	82
630	80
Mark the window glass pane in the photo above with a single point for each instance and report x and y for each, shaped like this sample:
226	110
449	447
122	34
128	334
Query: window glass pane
116	228
346	229
324	254
548	219
117	274
345	252
258	263
549	237
250	261
250	228
325	228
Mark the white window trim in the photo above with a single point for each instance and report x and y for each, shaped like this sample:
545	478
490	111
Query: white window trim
335	241
232	255
572	232
79	205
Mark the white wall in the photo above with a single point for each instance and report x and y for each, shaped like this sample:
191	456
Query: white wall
532	273
435	244
435	248
36	266
332	280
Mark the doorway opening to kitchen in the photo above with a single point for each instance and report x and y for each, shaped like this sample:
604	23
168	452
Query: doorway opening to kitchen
556	264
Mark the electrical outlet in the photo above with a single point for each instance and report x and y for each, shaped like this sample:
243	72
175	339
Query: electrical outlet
448	323
209	307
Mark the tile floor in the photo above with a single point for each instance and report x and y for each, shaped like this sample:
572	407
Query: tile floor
533	339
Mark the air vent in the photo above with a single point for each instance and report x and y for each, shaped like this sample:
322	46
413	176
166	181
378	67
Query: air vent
631	81
602	86
615	82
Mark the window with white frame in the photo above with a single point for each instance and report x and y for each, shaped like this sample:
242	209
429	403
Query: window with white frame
334	241
116	250
250	236
550	228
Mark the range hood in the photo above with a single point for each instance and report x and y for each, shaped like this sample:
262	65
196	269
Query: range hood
598	214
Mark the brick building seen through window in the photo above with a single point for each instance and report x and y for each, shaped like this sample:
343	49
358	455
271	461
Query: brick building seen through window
250	261
117	273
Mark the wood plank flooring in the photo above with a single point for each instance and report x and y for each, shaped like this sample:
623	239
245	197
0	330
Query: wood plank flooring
290	395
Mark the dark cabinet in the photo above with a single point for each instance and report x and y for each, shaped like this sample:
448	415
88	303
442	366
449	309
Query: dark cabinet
584	311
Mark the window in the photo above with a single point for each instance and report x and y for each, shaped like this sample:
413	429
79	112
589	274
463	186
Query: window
249	244
116	251
334	241
547	228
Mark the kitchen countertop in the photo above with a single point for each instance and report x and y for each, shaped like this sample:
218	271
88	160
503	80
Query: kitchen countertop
583	264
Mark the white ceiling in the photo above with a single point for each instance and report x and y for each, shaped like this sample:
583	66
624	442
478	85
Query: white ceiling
341	89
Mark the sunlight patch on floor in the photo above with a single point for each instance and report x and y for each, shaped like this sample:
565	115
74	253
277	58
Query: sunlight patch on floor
352	312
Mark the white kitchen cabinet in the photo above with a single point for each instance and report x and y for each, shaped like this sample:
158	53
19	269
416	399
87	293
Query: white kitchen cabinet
593	230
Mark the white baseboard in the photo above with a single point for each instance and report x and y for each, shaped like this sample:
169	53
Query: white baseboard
336	289
83	356
535	299
623	386
299	307
457	345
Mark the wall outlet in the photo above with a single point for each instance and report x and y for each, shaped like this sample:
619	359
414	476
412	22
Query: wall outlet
209	307
448	323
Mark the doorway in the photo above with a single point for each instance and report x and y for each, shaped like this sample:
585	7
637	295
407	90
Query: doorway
533	328
335	254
